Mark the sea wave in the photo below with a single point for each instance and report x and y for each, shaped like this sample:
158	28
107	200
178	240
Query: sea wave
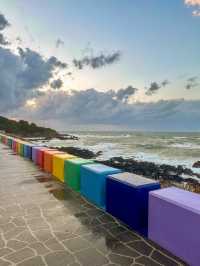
185	145
98	136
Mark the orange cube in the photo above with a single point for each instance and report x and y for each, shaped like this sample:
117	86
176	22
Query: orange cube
48	160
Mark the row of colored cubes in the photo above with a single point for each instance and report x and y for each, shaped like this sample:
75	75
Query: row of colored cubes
137	201
96	182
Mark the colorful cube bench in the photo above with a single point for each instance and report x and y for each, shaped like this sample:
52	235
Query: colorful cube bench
48	160
174	222
72	172
35	153
58	164
127	199
93	182
40	156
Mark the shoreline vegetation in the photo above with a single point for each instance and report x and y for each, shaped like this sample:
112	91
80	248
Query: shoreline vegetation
168	175
23	129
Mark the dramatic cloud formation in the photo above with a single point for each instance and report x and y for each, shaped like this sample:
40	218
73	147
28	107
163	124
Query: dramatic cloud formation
21	75
56	84
59	43
97	61
154	87
192	83
93	107
24	73
3	24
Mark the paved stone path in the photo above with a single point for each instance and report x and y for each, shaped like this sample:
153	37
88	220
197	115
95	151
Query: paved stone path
44	223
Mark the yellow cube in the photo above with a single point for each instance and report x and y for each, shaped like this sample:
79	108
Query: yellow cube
58	164
18	146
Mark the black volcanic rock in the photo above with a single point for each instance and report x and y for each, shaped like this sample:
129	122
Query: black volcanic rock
152	170
84	153
196	164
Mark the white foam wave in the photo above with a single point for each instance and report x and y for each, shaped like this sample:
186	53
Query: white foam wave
185	145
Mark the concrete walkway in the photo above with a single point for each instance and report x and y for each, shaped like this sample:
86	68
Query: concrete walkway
44	223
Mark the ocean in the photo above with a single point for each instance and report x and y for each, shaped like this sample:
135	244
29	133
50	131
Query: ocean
167	148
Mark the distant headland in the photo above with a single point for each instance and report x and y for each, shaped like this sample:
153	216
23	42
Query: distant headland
25	129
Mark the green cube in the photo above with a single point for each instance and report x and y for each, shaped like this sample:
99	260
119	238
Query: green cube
72	171
21	149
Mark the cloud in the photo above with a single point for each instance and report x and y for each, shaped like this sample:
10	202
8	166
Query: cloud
97	61
57	63
196	13
124	94
192	2
195	4
92	107
59	43
165	83
22	74
154	87
192	82
3	24
3	40
56	84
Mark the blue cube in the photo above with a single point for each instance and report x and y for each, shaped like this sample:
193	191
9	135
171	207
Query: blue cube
93	181
127	197
28	150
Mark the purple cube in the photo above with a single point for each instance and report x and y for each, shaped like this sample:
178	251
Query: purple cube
174	222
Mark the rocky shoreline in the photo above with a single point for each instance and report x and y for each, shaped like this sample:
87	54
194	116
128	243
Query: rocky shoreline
179	176
168	175
84	153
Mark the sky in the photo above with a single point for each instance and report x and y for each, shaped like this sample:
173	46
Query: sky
115	64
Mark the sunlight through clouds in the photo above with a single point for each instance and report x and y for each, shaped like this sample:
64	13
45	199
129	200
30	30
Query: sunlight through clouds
196	4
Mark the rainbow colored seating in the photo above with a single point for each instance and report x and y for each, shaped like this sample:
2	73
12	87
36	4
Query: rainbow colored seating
127	199
48	159
174	221
34	153
40	156
72	172
58	165
93	182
